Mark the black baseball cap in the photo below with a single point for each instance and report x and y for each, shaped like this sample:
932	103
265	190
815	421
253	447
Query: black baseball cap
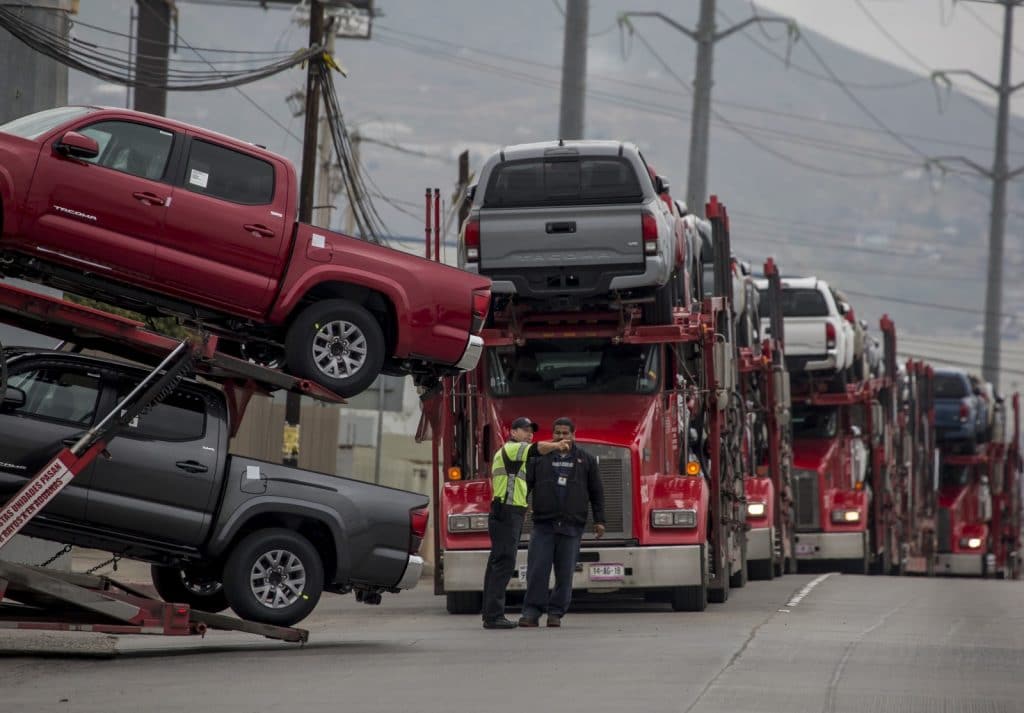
524	422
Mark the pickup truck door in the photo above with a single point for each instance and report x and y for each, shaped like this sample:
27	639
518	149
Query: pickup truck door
105	212
227	233
159	481
60	404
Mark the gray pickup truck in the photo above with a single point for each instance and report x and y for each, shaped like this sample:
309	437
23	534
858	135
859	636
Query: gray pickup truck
219	530
571	223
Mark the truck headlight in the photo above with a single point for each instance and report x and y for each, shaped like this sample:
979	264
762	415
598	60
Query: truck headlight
673	518
845	516
971	543
755	509
467	523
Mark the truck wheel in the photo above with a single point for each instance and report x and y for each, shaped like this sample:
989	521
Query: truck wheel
464	602
338	344
761	569
695	597
274	576
189	586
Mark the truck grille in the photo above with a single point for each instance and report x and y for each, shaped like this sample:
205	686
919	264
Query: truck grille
805	485
944	530
615	467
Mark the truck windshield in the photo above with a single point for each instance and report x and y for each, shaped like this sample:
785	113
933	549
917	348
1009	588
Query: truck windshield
800	302
35	125
954	476
573	366
814	422
562	181
950	386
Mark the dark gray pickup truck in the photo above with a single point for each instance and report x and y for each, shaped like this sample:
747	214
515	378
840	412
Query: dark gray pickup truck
219	530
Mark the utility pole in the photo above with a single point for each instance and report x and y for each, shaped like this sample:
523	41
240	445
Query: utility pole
706	36
1000	175
324	194
574	69
350	216
307	182
151	54
34	81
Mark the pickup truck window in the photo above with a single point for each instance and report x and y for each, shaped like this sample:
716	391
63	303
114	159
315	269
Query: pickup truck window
562	181
58	394
179	417
126	146
950	386
573	366
799	303
35	125
228	174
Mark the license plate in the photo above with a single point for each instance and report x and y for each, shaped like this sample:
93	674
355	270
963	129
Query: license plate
522	573
804	548
607	572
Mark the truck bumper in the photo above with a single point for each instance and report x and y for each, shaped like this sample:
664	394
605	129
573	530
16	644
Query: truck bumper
470	357
413	572
642	568
970	564
829	545
759	544
656	272
825	362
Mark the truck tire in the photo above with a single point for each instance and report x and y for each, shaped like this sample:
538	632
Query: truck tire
695	597
464	602
188	586
761	569
338	344
274	576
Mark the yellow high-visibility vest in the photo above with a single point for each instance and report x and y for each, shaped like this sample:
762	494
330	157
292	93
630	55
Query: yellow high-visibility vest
505	489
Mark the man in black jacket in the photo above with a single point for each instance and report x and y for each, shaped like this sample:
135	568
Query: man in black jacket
562	484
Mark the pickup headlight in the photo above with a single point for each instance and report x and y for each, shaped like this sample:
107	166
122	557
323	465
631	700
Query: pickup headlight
673	518
971	543
755	509
467	523
846	517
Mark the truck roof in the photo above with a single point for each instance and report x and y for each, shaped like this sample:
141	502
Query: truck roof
587	146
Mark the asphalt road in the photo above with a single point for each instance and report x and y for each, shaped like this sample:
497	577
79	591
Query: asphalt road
847	644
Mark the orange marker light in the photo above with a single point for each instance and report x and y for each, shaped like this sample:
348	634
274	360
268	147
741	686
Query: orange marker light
455	473
693	468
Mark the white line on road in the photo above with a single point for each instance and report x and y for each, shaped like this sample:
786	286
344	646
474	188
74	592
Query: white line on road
799	596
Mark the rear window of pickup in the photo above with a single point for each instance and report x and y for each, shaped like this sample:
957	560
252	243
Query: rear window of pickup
799	303
562	181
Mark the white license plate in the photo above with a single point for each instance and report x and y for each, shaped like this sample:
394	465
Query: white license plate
522	573
603	572
803	548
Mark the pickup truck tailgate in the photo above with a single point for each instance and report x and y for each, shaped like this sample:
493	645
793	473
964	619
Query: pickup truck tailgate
516	239
805	336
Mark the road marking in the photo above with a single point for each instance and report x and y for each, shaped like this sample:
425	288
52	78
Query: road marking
799	596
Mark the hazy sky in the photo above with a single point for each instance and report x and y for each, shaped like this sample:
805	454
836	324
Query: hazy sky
943	34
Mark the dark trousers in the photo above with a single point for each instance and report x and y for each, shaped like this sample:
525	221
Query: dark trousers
550	548
504	526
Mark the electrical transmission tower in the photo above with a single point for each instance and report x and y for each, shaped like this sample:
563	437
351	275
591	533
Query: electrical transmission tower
1000	175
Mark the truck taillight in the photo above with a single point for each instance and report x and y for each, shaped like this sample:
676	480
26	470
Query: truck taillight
471	240
830	335
418	519
649	228
965	411
481	303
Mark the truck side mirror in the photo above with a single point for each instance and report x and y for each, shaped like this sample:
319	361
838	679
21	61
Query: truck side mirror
661	184
14	397
78	145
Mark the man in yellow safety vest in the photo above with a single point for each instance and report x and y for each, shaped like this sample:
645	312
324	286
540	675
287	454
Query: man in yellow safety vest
508	508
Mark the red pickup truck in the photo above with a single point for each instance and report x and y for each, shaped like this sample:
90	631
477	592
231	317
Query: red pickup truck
161	217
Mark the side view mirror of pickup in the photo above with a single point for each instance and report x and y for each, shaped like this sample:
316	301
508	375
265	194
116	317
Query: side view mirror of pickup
14	397
661	184
78	145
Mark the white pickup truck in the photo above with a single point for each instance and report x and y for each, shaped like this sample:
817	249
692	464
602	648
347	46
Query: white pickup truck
818	338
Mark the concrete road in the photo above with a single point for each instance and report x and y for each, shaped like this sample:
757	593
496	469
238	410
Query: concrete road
832	643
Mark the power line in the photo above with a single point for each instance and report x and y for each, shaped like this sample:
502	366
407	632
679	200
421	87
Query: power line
984	23
927	305
953	362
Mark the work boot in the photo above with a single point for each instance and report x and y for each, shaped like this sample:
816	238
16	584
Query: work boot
528	621
554	620
501	623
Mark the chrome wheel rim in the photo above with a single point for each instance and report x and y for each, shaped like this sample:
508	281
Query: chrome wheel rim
339	349
277	579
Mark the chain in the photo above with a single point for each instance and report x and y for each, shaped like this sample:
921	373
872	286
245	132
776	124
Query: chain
113	560
62	551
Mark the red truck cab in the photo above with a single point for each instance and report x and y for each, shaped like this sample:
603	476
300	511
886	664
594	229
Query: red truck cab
159	216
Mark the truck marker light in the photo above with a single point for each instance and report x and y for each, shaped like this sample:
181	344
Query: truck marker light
693	468
845	516
755	509
455	473
971	543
